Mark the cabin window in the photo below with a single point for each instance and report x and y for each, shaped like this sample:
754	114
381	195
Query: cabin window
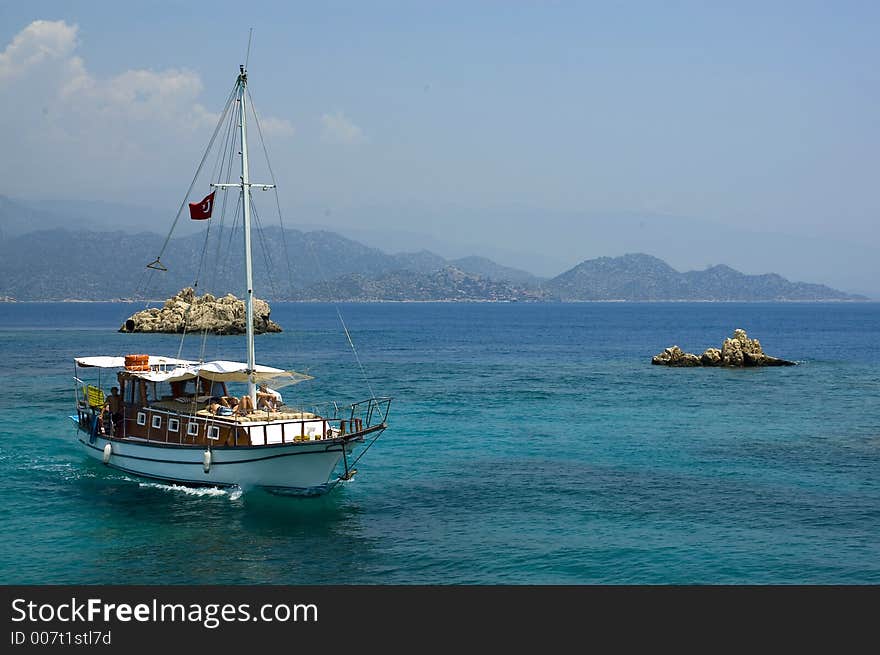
142	418
173	424
182	389
192	429
213	432
157	422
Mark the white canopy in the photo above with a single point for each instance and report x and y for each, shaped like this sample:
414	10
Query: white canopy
237	372
119	362
169	369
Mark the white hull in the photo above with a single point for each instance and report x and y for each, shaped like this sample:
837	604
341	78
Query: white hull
292	466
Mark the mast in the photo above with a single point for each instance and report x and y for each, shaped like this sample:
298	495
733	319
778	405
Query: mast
245	186
246	213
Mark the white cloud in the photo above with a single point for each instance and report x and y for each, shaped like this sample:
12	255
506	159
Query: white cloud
337	128
42	56
40	41
276	127
87	131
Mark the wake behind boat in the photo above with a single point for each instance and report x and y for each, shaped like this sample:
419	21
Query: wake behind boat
175	420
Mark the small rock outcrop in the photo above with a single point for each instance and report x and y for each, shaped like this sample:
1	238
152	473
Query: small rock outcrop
736	351
675	356
224	315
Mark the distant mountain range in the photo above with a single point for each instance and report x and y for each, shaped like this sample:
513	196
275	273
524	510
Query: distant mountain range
642	277
66	263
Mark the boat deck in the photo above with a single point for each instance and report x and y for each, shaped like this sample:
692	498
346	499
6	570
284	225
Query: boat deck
200	409
259	416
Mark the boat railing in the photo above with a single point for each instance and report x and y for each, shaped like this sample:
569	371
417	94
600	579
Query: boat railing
371	412
87	403
79	392
365	413
154	419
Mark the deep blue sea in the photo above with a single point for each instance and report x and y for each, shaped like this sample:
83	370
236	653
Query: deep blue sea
528	444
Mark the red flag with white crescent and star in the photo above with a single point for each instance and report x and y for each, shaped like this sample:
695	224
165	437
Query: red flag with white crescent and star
199	211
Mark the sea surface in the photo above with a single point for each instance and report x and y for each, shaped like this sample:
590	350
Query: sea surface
528	444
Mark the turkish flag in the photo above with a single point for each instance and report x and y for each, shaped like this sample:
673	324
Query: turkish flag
199	211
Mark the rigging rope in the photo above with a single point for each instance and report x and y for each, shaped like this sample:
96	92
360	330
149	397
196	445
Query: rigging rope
350	467
145	281
232	148
225	159
221	161
198	170
277	201
298	346
265	248
312	252
354	350
248	56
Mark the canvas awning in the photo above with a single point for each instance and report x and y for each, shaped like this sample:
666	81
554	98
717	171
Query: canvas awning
170	369
119	362
224	371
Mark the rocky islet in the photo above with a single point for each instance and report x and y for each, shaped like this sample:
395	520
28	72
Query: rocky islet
187	311
736	351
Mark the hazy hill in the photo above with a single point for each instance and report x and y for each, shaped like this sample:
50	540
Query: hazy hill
446	284
49	256
643	277
17	219
485	267
545	242
423	261
64	264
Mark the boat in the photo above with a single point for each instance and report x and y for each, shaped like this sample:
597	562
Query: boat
167	419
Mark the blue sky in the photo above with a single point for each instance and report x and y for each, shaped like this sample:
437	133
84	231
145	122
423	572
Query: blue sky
513	126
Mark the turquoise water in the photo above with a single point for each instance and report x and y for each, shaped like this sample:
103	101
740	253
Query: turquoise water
528	444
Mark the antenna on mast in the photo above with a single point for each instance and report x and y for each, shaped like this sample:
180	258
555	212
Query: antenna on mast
248	56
